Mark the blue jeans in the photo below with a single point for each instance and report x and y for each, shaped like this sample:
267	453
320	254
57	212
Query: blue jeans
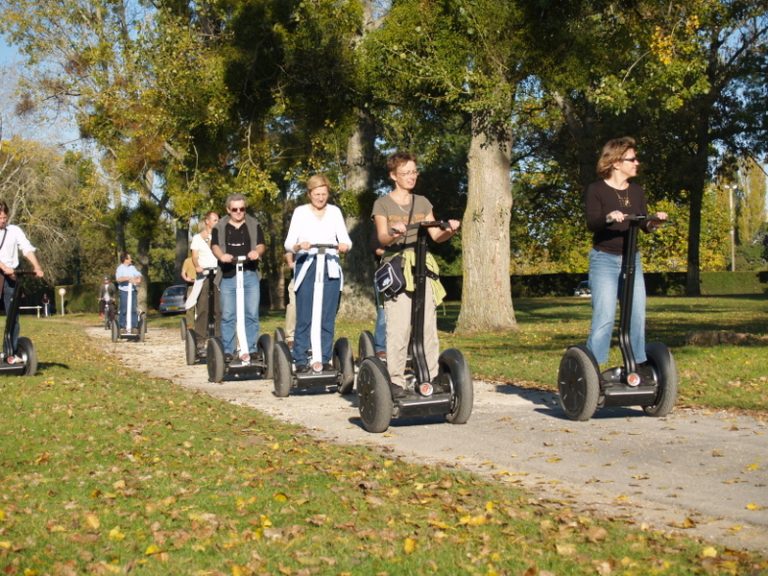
122	316
228	303
9	289
305	296
380	332
605	283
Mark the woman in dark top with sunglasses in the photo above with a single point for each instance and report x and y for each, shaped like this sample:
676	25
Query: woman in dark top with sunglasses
608	201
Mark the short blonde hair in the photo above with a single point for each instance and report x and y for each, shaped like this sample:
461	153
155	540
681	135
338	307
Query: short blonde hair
613	150
317	180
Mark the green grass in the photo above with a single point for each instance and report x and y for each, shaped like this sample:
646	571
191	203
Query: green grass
106	471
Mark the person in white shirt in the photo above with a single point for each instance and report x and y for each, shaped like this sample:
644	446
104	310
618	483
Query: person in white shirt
316	222
13	239
128	277
203	258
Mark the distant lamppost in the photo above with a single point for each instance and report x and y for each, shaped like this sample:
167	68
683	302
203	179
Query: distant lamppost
731	188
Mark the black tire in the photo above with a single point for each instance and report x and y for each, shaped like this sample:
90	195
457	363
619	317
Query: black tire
663	364
375	396
266	349
453	365
578	382
282	369
190	347
279	335
115	332
26	350
215	360
183	325
142	327
344	364
365	348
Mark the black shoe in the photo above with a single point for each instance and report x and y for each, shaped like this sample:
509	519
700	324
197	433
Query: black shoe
612	375
228	358
328	368
303	369
398	391
646	373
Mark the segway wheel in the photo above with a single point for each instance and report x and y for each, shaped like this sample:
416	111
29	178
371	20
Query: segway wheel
375	396
215	360
365	348
183	326
344	364
190	347
452	364
282	369
266	349
115	332
663	364
578	382
142	326
28	354
279	335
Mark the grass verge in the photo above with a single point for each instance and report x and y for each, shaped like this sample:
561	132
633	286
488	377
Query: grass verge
105	471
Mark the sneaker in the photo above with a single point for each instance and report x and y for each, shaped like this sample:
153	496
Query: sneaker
228	358
381	355
397	391
328	368
302	369
612	375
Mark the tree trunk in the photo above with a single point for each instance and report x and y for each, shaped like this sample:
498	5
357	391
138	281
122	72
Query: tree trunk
357	301
182	247
486	296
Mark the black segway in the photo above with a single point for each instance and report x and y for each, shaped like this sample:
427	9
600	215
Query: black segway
341	374
129	332
583	388
193	352
260	363
449	393
23	360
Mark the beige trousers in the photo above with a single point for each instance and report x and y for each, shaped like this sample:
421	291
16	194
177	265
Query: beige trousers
398	313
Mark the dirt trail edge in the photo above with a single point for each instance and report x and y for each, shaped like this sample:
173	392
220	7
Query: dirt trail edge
698	472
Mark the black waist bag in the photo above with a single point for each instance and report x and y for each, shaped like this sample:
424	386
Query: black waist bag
389	277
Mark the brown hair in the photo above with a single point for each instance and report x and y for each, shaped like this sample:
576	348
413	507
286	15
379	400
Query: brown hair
612	152
398	159
317	180
4	208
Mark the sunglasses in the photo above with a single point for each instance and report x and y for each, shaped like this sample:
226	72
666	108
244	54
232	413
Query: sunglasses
238	209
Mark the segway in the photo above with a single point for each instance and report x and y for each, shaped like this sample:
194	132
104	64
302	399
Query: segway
109	314
259	365
583	388
341	374
449	393
132	333
23	360
193	352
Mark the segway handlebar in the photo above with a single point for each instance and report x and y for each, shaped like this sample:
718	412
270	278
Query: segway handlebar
442	224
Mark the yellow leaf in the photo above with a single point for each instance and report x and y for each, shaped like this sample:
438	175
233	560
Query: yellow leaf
265	521
92	521
565	549
388	463
709	552
489	506
409	545
237	570
752	467
116	535
5	545
752	506
2	514
280	497
152	549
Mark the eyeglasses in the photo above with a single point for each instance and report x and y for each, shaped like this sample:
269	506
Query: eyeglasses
237	209
632	159
409	173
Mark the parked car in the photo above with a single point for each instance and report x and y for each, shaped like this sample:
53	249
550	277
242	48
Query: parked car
172	300
583	289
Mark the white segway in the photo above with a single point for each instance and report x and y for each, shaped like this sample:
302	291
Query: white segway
134	333
258	365
340	375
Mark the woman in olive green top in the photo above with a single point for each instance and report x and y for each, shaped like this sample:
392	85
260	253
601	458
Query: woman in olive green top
391	214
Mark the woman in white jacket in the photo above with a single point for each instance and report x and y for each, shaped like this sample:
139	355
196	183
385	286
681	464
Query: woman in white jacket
317	274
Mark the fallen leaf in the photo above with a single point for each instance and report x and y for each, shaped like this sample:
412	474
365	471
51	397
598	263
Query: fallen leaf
709	552
409	545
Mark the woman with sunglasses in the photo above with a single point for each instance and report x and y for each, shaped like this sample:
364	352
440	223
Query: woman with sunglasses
608	201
